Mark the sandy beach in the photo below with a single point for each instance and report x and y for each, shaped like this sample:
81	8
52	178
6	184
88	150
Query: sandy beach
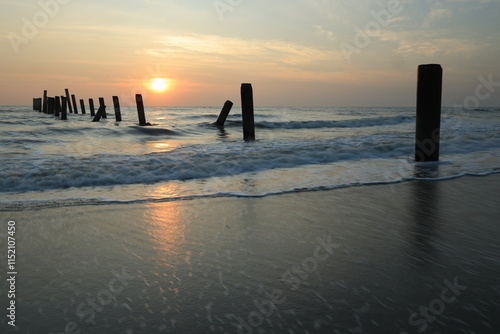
413	257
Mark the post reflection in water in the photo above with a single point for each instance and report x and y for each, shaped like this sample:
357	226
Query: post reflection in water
166	226
425	213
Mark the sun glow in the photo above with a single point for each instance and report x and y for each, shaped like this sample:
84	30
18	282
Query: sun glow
158	84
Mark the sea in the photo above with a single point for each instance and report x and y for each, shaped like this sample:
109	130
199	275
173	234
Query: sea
320	225
49	162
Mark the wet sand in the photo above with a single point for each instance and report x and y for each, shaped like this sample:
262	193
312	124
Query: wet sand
415	257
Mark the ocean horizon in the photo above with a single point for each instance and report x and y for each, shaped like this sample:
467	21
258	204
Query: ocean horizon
323	224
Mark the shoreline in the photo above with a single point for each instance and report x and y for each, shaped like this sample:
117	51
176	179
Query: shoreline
17	205
353	259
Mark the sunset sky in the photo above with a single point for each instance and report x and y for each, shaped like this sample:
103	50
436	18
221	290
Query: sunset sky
295	52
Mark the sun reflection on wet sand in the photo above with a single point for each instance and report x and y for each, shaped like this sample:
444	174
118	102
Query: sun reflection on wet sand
166	226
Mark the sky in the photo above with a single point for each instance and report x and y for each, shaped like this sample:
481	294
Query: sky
295	52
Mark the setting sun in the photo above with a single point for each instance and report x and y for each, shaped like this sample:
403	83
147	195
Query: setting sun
158	84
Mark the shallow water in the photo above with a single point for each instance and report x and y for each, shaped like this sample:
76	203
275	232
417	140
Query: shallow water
185	156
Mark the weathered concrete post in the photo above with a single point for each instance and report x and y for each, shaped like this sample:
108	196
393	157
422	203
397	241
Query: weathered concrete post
140	110
100	111
116	104
224	113
64	108
247	112
68	101
57	111
101	103
91	106
44	107
50	105
429	89
75	108
82	105
37	103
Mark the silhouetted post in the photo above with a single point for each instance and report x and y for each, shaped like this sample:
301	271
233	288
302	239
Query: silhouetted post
68	101
64	108
247	112
140	110
57	111
37	104
82	105
429	89
44	101
75	108
91	106
223	113
101	102
50	105
116	104
100	111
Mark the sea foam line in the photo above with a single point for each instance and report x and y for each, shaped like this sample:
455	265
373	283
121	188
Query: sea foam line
34	205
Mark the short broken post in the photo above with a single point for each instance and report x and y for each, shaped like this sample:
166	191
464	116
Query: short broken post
44	107
75	108
91	106
50	105
37	104
100	111
64	108
247	112
429	89
224	113
116	104
68	101
140	110
57	110
82	105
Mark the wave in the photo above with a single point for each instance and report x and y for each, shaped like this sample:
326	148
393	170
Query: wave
69	202
151	131
205	161
193	162
352	123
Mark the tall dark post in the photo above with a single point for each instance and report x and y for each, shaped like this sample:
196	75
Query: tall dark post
140	110
429	89
64	108
44	107
101	111
91	106
116	104
50	105
68	101
57	111
75	108
224	113
101	103
247	112
82	105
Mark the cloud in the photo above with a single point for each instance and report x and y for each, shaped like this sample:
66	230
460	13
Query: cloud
323	32
437	13
228	52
